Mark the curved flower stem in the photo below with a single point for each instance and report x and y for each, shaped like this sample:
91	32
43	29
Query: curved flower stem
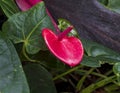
67	72
53	21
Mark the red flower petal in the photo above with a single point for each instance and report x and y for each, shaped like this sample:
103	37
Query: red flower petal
68	49
26	4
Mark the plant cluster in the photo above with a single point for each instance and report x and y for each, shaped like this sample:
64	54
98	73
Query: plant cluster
39	56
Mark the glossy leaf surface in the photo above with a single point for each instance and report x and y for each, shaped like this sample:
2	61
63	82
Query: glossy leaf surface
12	78
26	28
39	79
97	54
9	7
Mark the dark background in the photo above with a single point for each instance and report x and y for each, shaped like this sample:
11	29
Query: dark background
91	19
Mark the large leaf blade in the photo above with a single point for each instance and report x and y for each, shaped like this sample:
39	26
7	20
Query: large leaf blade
26	27
40	80
12	78
9	7
97	54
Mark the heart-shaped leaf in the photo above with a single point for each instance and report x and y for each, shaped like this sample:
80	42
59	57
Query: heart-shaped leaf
26	27
39	79
12	78
9	7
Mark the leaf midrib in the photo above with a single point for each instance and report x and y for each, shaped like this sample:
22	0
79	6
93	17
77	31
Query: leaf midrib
32	31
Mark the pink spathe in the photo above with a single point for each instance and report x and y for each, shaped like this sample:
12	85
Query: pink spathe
24	5
68	49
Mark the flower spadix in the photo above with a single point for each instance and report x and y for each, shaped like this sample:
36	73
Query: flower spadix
68	49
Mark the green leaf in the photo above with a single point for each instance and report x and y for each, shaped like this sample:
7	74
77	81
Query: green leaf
116	70
49	61
94	49
63	24
97	61
12	78
91	61
105	2
114	5
97	54
40	80
26	27
9	7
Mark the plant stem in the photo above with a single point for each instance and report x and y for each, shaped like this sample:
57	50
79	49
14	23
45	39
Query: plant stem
93	73
99	84
53	21
80	83
99	75
106	74
109	72
67	72
112	87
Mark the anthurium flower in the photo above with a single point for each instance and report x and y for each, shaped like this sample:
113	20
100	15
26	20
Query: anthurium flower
67	49
26	4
